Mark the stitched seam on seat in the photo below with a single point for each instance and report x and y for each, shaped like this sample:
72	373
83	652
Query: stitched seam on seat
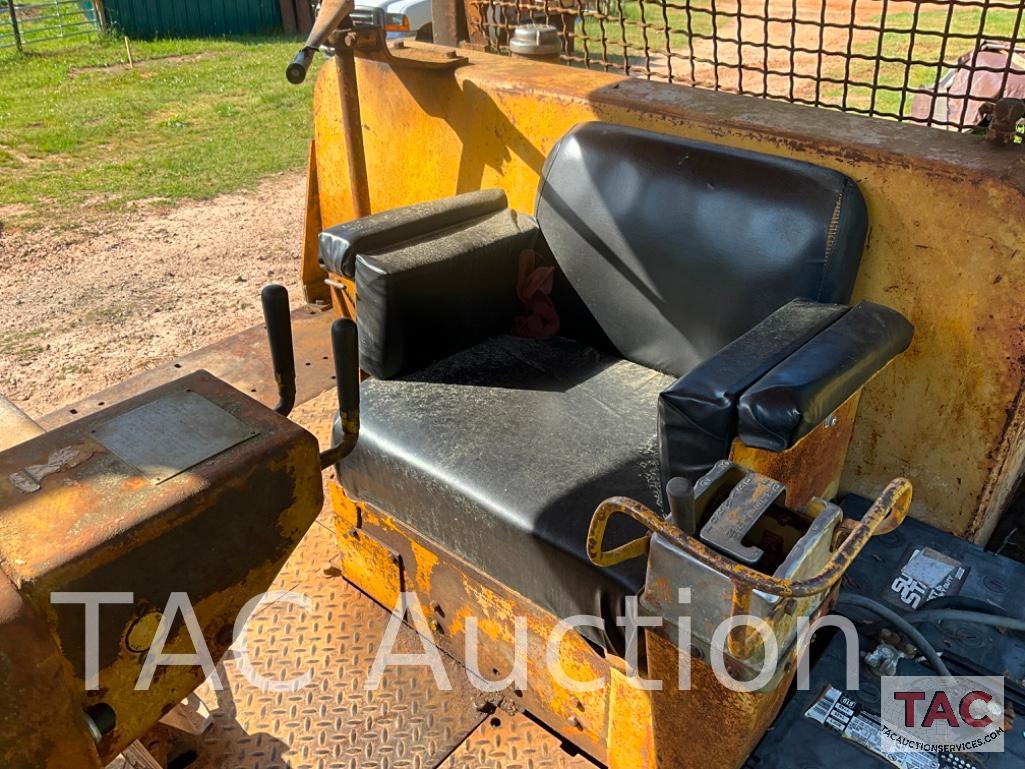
831	235
550	162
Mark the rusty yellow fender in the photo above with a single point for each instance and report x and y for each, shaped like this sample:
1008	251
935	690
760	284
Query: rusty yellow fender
191	489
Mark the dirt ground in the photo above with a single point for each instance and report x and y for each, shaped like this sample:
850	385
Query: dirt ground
794	33
85	308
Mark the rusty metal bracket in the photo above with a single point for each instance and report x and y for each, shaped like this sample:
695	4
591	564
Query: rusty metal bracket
885	515
370	43
1004	116
748	501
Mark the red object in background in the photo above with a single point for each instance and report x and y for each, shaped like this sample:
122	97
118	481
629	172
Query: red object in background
534	287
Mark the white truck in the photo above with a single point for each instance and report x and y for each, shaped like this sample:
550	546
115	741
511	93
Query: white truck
398	18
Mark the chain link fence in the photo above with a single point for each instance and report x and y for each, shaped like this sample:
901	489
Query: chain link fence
24	25
933	62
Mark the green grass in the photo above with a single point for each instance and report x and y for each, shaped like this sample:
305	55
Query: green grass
925	45
81	130
636	25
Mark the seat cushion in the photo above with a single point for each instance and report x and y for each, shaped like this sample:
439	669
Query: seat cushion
421	299
678	247
500	453
697	416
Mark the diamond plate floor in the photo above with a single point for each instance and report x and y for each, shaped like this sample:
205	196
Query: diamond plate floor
333	722
514	741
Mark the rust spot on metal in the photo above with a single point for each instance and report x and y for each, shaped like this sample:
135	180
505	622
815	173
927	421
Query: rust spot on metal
811	467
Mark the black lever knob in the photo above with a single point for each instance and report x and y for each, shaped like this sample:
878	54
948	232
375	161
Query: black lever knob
680	492
345	347
279	334
295	73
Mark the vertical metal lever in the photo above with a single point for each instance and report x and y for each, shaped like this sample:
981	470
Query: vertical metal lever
345	347
274	299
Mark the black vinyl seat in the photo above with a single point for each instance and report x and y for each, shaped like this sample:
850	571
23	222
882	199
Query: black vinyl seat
502	452
687	277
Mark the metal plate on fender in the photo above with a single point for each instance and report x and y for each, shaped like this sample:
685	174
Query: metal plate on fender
172	434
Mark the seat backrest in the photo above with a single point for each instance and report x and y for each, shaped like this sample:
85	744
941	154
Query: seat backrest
678	247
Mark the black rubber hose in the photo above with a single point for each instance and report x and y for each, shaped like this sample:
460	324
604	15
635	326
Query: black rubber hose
901	624
974	617
962	603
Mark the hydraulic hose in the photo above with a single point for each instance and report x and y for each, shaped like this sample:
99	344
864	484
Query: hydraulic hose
975	617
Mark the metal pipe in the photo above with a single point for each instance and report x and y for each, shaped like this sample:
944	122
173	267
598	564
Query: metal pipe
14	23
355	152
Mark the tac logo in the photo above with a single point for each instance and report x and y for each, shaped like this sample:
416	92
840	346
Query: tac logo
942	715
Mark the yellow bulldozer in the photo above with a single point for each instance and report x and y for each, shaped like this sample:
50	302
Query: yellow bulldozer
659	426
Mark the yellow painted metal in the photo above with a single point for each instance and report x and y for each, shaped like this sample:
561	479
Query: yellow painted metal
81	519
372	566
619	724
453	595
314	289
812	466
947	227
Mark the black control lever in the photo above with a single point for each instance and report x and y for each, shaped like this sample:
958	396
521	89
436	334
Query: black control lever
296	71
332	12
276	315
680	492
345	347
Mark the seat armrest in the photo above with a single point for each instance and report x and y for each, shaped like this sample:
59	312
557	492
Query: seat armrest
697	416
427	297
339	245
802	391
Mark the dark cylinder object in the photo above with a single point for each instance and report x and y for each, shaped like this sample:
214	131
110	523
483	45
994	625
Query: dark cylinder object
345	347
296	71
680	492
279	334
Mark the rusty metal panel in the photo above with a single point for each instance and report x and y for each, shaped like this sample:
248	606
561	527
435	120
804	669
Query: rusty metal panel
948	413
451	591
364	560
333	722
241	360
811	467
76	518
168	435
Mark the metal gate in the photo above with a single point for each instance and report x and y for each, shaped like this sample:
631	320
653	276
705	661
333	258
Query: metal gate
929	61
23	25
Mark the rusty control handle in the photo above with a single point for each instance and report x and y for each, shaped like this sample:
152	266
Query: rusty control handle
276	315
345	346
885	515
332	12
